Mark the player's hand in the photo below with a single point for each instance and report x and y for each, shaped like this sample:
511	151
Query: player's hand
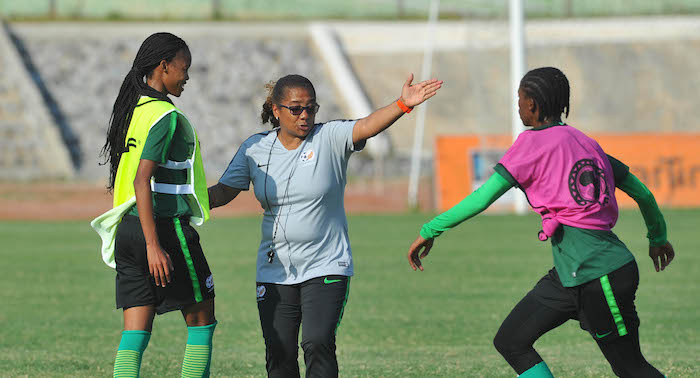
159	265
414	252
662	256
412	95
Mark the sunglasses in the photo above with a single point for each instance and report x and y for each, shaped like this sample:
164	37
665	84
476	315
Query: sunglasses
297	110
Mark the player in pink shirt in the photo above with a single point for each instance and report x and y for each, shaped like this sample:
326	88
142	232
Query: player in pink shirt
570	182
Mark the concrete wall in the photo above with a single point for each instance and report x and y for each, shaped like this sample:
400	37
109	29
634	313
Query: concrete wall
31	147
627	75
83	66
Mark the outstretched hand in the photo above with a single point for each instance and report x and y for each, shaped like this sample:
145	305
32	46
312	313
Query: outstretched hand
414	254
662	256
416	94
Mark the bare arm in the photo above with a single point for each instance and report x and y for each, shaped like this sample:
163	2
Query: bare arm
220	195
382	118
159	264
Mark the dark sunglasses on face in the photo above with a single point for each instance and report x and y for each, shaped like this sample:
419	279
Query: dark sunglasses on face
297	109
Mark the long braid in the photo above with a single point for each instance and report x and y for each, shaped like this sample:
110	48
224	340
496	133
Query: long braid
549	88
156	48
276	93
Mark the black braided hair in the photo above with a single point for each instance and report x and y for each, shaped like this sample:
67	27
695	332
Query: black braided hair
277	92
156	48
549	88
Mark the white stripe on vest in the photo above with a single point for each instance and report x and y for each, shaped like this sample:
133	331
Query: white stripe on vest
187	164
172	188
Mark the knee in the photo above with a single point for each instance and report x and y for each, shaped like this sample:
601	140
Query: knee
280	346
318	342
503	343
509	345
281	350
200	314
201	321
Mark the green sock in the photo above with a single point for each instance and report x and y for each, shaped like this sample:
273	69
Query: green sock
538	371
128	361
198	351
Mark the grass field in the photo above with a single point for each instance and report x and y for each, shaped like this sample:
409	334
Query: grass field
58	316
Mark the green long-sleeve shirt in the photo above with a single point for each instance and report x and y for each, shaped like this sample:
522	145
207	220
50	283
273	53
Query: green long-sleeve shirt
580	255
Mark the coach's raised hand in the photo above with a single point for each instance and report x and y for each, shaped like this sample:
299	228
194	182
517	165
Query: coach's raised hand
380	119
412	95
414	252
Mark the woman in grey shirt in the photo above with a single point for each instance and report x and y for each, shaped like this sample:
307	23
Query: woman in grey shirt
298	171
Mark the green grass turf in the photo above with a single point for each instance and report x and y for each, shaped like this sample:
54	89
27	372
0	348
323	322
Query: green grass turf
58	316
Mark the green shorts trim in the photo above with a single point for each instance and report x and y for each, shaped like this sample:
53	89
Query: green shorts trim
612	304
188	259
342	309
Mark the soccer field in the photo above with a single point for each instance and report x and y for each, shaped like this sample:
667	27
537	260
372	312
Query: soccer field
58	316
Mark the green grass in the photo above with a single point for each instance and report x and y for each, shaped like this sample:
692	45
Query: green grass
58	316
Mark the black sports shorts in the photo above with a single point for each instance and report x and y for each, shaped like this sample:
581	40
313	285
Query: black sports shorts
604	306
192	281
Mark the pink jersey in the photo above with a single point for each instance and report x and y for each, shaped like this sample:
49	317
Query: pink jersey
566	176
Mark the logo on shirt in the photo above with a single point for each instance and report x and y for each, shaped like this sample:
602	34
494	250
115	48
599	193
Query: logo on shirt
210	282
587	183
131	142
306	156
260	292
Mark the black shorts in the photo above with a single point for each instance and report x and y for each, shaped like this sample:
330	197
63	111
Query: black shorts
604	307
192	281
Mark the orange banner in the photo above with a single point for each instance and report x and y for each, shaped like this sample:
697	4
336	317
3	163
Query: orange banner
669	164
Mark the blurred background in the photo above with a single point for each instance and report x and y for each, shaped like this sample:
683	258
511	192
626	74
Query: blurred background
634	76
631	65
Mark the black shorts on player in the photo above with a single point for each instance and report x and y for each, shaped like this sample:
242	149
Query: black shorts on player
604	307
192	281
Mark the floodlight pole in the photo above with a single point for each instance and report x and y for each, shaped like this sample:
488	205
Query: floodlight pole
420	119
517	70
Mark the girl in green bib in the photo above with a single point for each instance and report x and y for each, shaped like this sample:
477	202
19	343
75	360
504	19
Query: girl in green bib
158	181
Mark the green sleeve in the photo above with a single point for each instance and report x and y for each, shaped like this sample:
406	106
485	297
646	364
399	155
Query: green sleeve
620	170
472	205
501	170
656	226
159	139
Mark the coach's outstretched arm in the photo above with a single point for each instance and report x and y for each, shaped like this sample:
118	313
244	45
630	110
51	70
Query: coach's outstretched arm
382	118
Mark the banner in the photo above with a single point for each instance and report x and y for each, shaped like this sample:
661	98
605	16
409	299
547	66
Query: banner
668	164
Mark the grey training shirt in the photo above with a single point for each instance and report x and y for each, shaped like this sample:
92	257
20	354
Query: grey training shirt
302	194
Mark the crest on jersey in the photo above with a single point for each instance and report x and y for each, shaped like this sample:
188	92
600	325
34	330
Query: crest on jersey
587	183
307	156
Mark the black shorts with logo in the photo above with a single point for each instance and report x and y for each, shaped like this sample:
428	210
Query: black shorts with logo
192	281
604	306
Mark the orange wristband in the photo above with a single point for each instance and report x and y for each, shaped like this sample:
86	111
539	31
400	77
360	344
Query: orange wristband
403	106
